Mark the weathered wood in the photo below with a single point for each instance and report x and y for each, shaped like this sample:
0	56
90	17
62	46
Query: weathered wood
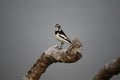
53	55
109	70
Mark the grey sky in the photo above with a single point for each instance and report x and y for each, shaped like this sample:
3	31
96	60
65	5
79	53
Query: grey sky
27	30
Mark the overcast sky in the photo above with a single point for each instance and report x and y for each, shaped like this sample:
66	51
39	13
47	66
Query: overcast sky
27	29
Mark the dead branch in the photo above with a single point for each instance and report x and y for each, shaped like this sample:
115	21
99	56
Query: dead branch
53	55
109	70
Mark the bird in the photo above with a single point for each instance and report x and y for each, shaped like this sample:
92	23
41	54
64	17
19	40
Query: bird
61	36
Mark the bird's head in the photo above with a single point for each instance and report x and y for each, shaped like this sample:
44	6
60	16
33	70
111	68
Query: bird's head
58	27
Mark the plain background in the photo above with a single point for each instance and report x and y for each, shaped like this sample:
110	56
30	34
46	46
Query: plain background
27	29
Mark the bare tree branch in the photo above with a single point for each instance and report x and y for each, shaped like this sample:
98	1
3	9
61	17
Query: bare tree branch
53	55
109	70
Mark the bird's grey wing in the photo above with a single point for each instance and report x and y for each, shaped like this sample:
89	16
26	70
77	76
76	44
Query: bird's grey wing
63	35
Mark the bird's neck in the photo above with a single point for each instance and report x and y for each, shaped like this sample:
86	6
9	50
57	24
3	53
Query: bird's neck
57	31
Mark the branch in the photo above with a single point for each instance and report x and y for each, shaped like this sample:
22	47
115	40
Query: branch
53	55
109	70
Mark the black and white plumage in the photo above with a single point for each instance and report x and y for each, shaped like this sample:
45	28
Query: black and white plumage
61	36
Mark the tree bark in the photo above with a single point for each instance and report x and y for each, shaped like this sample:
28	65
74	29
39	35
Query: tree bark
53	55
109	70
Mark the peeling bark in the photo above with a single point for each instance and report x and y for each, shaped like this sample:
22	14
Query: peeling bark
53	55
109	70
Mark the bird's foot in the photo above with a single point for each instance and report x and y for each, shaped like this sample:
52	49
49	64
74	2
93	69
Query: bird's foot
58	47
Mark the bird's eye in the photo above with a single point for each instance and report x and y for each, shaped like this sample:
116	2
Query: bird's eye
57	25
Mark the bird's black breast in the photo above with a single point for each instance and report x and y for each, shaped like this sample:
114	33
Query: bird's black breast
60	32
56	32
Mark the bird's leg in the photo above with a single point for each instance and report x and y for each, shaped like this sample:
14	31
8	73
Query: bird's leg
61	46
